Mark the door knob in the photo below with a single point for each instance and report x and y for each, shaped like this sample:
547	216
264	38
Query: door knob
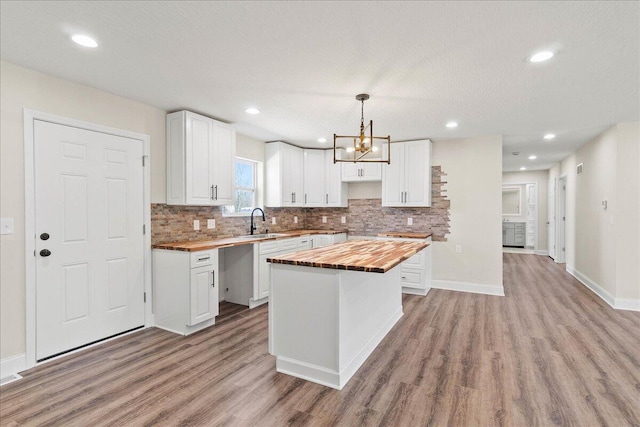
44	236
45	252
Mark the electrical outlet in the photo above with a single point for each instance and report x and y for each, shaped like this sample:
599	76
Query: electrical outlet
324	219
273	220
6	226
458	249
343	219
295	219
211	223
196	224
409	221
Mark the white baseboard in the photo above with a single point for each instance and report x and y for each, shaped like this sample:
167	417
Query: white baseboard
474	288
617	303
415	291
542	252
13	364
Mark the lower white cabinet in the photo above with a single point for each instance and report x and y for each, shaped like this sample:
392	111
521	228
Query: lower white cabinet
262	269
321	240
185	289
416	271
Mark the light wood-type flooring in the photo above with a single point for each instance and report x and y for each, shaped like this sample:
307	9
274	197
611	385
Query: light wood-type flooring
548	353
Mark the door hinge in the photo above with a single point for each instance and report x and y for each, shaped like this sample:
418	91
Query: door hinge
144	228
143	160
144	298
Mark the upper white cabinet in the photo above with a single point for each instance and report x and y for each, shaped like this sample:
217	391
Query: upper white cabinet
406	182
336	193
200	160
283	174
356	172
314	178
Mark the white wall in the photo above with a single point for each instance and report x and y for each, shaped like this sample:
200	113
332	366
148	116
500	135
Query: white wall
541	178
601	245
473	169
23	88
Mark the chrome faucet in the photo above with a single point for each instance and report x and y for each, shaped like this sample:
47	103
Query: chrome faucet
253	226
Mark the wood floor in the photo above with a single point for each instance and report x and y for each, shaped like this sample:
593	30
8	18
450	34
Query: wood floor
549	353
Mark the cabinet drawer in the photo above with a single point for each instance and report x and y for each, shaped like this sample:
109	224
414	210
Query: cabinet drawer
201	259
507	226
416	261
269	247
412	279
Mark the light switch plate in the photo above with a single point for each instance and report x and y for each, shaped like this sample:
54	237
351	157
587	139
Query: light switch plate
343	219
196	224
409	221
295	219
6	225
273	220
458	249
324	219
211	223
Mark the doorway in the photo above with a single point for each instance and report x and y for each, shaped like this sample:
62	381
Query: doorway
87	210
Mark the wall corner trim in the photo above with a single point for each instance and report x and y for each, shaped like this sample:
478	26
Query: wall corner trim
474	288
626	304
13	364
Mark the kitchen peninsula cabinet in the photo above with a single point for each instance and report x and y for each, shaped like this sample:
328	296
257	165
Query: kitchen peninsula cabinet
185	289
284	175
200	160
406	182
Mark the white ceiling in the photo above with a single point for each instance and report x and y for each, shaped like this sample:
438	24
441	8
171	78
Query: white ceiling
302	63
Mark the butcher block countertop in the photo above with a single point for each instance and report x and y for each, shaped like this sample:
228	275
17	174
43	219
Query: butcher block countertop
404	235
203	245
374	256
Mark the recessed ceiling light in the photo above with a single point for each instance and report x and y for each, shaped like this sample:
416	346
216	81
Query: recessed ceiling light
85	41
523	168
452	125
322	140
545	55
549	136
533	157
252	110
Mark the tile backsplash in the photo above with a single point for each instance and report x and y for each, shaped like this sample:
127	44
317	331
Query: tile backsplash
364	217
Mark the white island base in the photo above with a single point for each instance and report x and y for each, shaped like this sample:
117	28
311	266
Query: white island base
324	323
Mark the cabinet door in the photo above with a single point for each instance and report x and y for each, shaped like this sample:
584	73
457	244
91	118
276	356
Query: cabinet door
224	148
350	172
393	177
417	173
510	237
291	170
199	160
314	192
335	190
264	277
203	295
370	171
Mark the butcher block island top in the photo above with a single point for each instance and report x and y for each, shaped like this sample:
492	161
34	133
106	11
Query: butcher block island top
374	256
203	245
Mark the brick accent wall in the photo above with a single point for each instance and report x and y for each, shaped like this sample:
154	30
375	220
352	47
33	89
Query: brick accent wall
365	217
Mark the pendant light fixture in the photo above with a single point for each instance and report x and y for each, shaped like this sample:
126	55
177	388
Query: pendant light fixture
362	148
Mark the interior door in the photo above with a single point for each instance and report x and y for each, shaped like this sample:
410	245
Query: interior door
551	219
89	236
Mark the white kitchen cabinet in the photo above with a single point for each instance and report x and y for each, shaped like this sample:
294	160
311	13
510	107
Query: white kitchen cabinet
406	181
336	191
314	178
262	269
416	271
283	175
360	172
185	289
200	160
321	240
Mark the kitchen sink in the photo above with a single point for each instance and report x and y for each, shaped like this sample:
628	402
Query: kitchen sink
261	236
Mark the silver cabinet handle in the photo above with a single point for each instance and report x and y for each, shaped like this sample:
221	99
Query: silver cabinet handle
326	198
204	258
216	192
212	193
305	198
213	279
292	197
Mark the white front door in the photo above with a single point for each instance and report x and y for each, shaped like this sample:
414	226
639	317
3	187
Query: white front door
89	236
551	219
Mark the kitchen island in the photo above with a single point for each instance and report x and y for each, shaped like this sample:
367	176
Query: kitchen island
330	307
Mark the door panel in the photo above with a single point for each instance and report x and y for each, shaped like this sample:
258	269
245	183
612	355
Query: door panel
417	166
551	219
224	147
199	160
204	305
392	182
89	199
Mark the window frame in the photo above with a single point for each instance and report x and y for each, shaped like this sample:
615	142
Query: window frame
257	187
